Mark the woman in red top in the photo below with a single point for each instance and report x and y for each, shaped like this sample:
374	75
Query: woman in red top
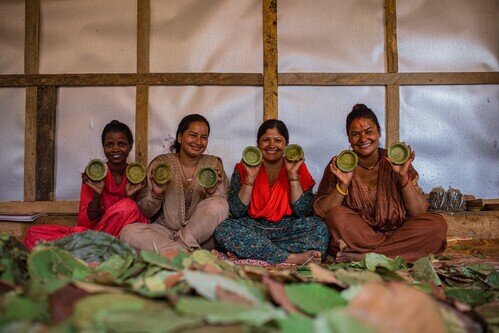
105	205
270	206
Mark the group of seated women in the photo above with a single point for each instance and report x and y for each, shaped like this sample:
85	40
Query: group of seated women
267	212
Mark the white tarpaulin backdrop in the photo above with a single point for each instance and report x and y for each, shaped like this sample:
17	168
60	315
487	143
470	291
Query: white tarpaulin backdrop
453	129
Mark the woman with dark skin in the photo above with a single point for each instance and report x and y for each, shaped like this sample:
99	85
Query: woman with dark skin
106	205
377	207
269	204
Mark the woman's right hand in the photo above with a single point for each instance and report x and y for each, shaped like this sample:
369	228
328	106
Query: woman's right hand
96	186
344	178
157	189
251	172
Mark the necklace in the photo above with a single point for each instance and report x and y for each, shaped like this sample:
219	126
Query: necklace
185	175
371	167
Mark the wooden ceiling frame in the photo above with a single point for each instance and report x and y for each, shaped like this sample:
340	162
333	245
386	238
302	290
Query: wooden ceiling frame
41	92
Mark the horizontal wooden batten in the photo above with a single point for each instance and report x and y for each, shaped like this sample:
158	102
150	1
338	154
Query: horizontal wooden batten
383	79
250	79
49	207
133	79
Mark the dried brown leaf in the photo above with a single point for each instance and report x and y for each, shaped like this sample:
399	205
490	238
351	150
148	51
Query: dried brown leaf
231	297
325	276
396	307
278	294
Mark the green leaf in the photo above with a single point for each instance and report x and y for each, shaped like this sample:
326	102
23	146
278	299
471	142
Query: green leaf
157	260
295	323
21	308
335	321
356	277
313	298
452	322
50	263
423	271
373	260
228	313
93	246
472	297
489	312
156	283
493	280
206	284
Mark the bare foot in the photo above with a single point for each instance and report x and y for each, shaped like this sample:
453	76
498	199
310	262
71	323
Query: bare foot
301	258
348	257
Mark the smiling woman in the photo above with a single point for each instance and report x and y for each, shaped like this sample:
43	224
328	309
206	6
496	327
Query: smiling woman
184	213
106	204
269	204
378	206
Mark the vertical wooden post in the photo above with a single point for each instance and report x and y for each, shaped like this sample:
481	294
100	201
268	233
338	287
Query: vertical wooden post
46	102
31	50
142	91
270	60
392	116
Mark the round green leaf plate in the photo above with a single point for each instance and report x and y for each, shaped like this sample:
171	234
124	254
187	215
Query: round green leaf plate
96	169
252	156
293	152
347	160
162	173
135	173
207	177
399	153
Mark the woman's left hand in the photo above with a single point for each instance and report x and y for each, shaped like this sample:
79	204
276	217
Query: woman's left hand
402	171
213	189
132	189
292	167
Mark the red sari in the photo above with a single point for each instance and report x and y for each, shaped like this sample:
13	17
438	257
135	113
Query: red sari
117	211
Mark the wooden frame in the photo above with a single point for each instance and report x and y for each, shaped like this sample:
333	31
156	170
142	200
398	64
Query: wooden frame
41	91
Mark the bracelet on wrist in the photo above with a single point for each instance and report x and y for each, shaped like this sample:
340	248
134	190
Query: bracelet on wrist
295	179
247	182
156	196
340	191
406	183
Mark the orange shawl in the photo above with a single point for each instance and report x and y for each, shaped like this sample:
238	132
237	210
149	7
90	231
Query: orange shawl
273	202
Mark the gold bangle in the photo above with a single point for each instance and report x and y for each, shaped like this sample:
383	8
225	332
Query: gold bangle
296	179
340	191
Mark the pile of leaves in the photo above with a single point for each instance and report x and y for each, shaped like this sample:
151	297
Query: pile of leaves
52	289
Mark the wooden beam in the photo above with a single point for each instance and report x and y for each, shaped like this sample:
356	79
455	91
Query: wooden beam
49	207
45	143
383	79
31	50
392	116
391	36
270	60
142	91
133	79
143	35
141	124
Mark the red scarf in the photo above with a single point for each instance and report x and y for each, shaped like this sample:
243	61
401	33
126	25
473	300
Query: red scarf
273	202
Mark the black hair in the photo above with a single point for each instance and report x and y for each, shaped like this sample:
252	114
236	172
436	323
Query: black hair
184	125
116	126
362	111
273	123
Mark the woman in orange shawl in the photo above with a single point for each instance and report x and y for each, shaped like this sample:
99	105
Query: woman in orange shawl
377	207
269	205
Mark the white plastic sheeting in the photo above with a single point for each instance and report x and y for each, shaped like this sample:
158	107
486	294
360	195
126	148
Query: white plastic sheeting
12	105
206	36
448	35
454	131
234	114
315	117
11	37
82	114
90	36
330	36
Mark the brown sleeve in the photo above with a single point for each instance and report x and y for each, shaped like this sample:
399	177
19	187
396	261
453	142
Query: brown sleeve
326	186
